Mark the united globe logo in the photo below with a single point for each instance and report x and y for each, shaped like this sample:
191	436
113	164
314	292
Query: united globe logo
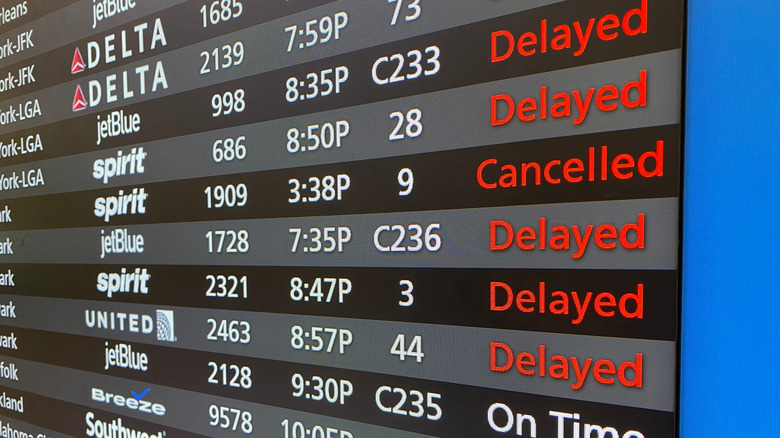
165	327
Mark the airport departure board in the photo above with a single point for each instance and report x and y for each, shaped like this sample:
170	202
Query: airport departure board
340	218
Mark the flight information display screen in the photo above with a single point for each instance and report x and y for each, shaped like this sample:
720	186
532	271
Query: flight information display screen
339	218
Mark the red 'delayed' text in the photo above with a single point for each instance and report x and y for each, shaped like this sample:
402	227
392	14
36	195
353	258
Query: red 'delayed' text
572	37
557	366
571	304
567	104
574	238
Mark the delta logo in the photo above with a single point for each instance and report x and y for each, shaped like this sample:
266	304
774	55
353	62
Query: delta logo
78	65
132	81
140	39
79	102
142	80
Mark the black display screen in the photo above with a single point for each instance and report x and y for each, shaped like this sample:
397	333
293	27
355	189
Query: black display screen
340	219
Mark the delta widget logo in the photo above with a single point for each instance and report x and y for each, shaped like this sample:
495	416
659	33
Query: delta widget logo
78	65
79	102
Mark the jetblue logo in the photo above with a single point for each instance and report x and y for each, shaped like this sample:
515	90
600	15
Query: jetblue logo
123	356
102	9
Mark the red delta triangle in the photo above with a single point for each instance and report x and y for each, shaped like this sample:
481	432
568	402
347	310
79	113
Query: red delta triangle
78	64
79	103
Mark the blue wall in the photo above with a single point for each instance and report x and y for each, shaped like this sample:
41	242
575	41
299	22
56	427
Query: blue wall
731	260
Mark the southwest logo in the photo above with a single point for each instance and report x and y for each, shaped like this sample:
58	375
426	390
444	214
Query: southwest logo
78	64
79	102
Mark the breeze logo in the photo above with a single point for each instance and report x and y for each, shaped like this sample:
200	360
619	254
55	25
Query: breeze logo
78	65
79	102
165	328
136	401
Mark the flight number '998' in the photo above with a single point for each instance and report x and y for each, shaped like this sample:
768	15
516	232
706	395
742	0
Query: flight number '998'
228	103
